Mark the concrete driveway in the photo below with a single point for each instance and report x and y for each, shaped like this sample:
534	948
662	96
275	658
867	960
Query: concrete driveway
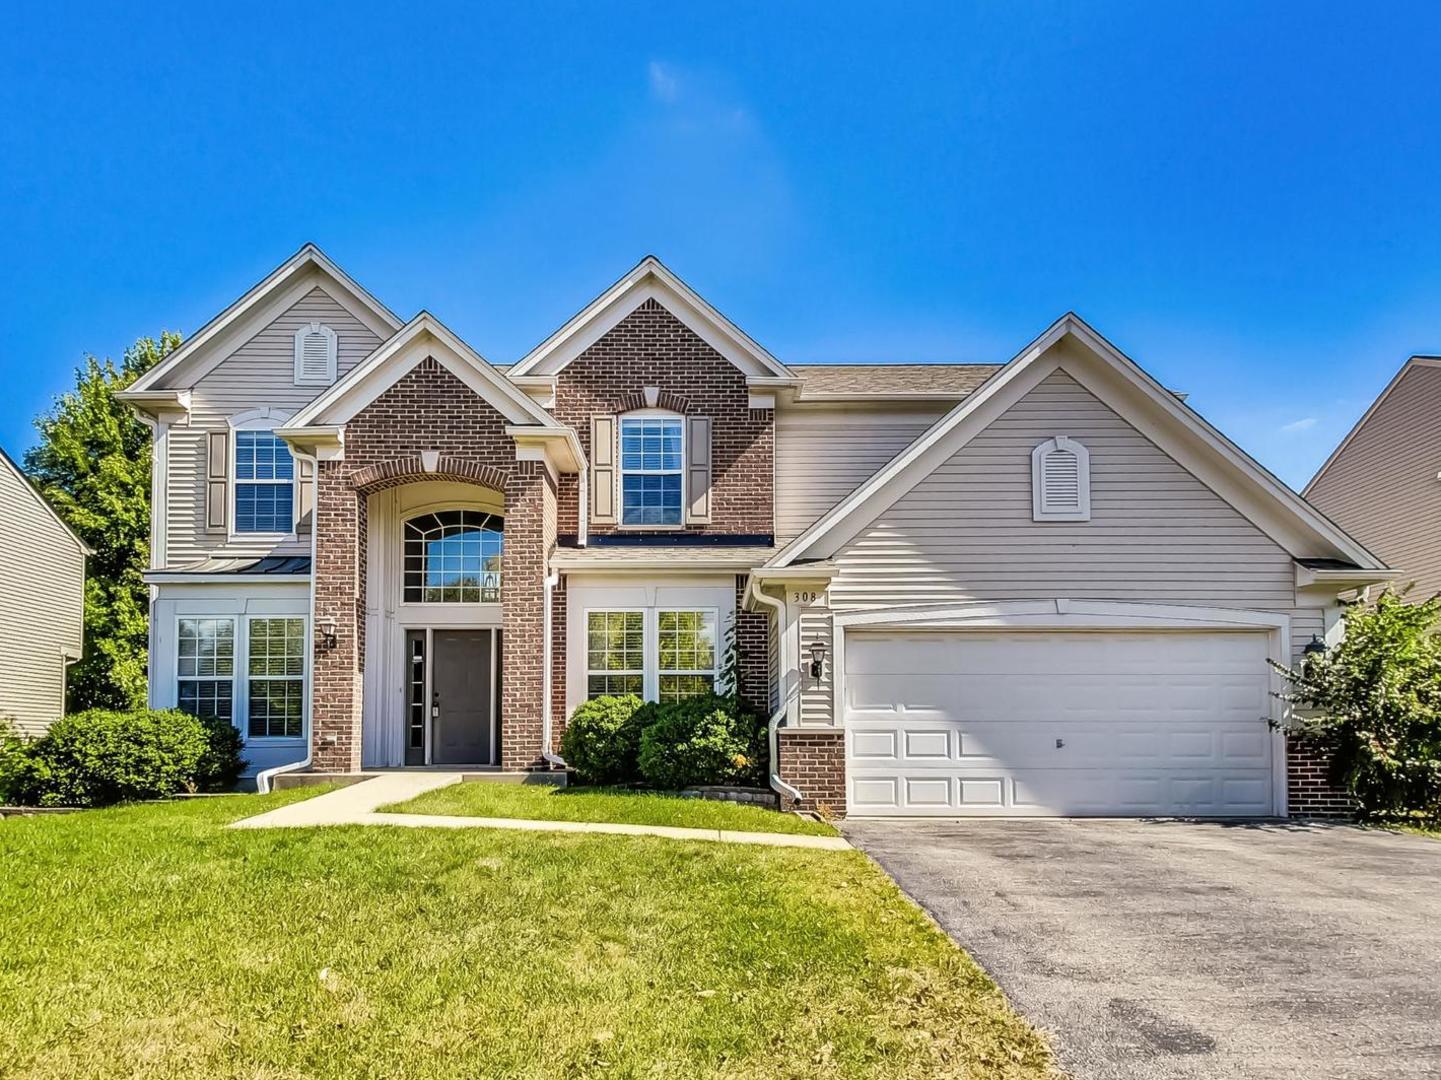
1186	949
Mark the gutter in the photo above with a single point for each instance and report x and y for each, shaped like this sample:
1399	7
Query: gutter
773	728
265	777
550	756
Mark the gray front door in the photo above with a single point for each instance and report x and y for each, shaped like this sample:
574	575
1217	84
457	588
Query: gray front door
461	694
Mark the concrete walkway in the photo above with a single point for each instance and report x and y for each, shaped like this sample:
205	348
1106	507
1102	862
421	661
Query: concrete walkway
358	804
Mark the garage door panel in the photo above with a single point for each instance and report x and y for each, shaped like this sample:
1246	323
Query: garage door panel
1059	723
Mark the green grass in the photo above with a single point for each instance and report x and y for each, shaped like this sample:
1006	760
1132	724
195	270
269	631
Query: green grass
544	802
147	941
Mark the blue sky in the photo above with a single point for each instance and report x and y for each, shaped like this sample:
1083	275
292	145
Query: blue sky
1242	197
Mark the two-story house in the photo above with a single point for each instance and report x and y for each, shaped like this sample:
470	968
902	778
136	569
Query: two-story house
1039	587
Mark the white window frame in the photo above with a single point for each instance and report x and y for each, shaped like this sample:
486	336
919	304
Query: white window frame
233	678
644	649
266	420
410	515
332	354
621	471
714	671
650	648
1039	510
302	677
240	676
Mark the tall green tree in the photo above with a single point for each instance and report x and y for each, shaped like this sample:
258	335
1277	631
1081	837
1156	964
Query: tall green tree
93	464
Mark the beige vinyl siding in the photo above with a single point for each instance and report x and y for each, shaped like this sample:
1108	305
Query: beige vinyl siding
1156	532
1306	623
258	374
773	661
815	697
1383	487
823	454
42	606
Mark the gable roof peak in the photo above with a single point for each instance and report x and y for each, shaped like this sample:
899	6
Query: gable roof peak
649	279
307	257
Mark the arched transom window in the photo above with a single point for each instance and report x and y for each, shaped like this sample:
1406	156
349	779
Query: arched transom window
453	557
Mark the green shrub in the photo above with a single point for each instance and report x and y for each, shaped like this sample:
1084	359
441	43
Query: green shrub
602	740
220	766
1373	703
99	757
701	740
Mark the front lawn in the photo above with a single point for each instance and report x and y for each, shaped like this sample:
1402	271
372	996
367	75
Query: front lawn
545	802
149	941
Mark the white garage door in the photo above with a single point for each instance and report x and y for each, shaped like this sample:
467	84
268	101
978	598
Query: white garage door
1058	723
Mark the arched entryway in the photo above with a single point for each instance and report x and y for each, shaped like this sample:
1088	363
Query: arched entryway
434	620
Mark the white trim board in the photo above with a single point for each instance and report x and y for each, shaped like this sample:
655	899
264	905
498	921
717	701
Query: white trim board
1126	389
649	279
275	293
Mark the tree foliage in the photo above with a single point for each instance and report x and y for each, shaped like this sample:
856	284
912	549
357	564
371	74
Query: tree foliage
93	464
1373	703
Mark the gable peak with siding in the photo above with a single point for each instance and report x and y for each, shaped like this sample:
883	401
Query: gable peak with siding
1071	345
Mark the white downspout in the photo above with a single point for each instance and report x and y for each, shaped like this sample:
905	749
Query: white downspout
550	756
772	729
582	532
264	778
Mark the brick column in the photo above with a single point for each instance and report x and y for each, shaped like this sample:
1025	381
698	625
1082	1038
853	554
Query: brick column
339	583
1309	790
815	763
529	535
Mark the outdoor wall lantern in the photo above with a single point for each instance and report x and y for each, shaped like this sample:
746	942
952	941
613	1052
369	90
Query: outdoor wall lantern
818	659
1314	647
327	632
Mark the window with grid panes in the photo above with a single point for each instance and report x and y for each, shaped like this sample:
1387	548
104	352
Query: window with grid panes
615	653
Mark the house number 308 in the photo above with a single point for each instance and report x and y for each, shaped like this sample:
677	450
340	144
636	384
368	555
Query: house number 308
805	597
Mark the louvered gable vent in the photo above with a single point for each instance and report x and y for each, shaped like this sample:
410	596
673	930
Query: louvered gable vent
315	355
1061	481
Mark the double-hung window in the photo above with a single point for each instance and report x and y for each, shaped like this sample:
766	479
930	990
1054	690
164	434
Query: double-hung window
658	654
686	649
615	653
276	676
264	484
651	469
205	667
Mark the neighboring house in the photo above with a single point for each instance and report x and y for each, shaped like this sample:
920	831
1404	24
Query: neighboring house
42	603
1383	482
1044	587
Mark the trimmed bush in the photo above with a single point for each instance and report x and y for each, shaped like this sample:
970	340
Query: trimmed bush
602	740
1373	704
701	740
99	757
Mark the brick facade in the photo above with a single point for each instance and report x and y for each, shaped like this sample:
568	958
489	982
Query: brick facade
814	762
428	409
1309	790
651	347
752	641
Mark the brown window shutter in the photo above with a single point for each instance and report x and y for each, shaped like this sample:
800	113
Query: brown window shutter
602	470
217	485
697	464
305	501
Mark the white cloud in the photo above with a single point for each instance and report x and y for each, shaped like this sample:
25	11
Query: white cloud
663	82
1300	425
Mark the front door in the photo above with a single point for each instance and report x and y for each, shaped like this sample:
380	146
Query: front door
461	697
